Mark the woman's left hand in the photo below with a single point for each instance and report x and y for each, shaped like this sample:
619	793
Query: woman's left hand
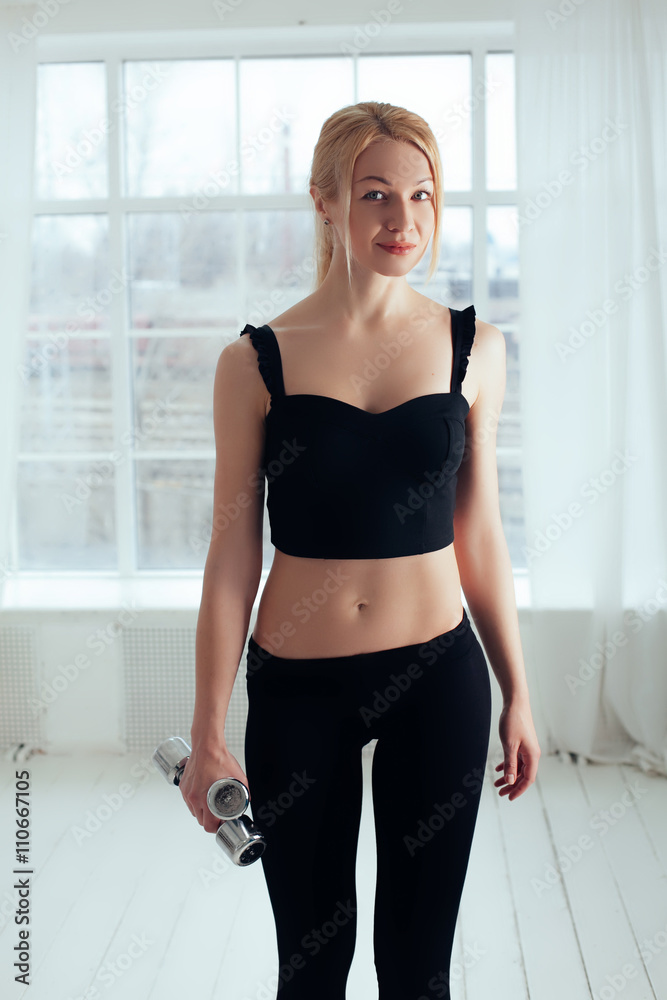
522	751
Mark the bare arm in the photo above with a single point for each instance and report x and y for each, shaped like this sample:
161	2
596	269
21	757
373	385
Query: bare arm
484	562
232	571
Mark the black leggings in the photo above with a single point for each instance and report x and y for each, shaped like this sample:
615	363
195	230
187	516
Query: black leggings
429	706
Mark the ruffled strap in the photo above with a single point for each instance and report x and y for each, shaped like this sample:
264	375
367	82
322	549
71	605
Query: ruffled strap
465	335
268	357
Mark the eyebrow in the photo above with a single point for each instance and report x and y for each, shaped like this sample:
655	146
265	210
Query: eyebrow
382	180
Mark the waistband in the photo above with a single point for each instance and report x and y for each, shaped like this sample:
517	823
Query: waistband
439	643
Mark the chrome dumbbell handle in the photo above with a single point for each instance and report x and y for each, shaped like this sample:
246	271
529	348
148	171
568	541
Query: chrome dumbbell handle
227	799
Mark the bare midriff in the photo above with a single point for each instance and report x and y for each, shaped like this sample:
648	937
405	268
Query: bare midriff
339	607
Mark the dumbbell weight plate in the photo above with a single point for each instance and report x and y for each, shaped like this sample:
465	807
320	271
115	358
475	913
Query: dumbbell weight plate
228	798
241	840
170	758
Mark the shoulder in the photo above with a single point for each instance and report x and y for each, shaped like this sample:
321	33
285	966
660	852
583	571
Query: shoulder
238	363
238	387
487	367
489	340
239	353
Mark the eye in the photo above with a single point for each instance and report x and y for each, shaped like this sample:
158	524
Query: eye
368	198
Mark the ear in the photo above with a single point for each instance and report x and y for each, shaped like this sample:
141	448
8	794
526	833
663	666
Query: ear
317	197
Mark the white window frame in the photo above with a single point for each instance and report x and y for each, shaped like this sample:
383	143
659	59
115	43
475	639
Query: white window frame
113	48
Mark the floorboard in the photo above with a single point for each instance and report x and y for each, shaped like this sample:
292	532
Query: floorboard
131	898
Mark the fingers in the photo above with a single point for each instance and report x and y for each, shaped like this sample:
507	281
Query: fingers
196	797
210	823
530	767
205	817
507	786
511	769
524	769
513	791
186	800
199	810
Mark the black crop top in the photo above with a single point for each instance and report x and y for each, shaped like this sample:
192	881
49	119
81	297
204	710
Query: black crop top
346	483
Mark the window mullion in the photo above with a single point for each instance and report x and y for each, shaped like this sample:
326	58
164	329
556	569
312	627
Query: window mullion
239	210
120	354
480	293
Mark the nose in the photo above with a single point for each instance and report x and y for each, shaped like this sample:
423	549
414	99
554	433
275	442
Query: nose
401	219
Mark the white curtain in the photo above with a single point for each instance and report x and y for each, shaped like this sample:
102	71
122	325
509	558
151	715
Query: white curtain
592	146
18	27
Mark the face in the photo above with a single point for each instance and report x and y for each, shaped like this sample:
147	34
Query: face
391	202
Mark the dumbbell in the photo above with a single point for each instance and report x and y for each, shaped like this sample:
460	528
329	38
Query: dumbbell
227	799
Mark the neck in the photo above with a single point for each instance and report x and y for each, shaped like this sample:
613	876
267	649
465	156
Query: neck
368	300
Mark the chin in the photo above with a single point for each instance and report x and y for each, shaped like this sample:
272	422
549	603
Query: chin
396	266
394	272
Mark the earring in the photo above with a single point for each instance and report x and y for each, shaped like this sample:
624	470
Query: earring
326	222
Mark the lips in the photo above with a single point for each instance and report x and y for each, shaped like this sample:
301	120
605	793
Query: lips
400	249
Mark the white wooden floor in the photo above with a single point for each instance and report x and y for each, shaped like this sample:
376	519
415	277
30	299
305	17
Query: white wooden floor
146	907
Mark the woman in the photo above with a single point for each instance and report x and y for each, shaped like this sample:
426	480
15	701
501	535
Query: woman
371	409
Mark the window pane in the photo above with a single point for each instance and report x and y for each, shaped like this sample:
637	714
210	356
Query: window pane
284	103
71	131
179	127
452	282
66	515
184	270
173	499
67	396
173	391
503	263
510	486
71	288
503	275
200	529
279	264
437	87
500	122
509	427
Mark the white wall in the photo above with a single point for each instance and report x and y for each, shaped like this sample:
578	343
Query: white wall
147	15
84	691
103	681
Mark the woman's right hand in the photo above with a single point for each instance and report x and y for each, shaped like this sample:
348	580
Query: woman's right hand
202	768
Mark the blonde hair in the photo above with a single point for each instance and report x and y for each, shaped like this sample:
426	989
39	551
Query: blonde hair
344	135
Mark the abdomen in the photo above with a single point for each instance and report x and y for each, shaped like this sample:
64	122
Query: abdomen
338	607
